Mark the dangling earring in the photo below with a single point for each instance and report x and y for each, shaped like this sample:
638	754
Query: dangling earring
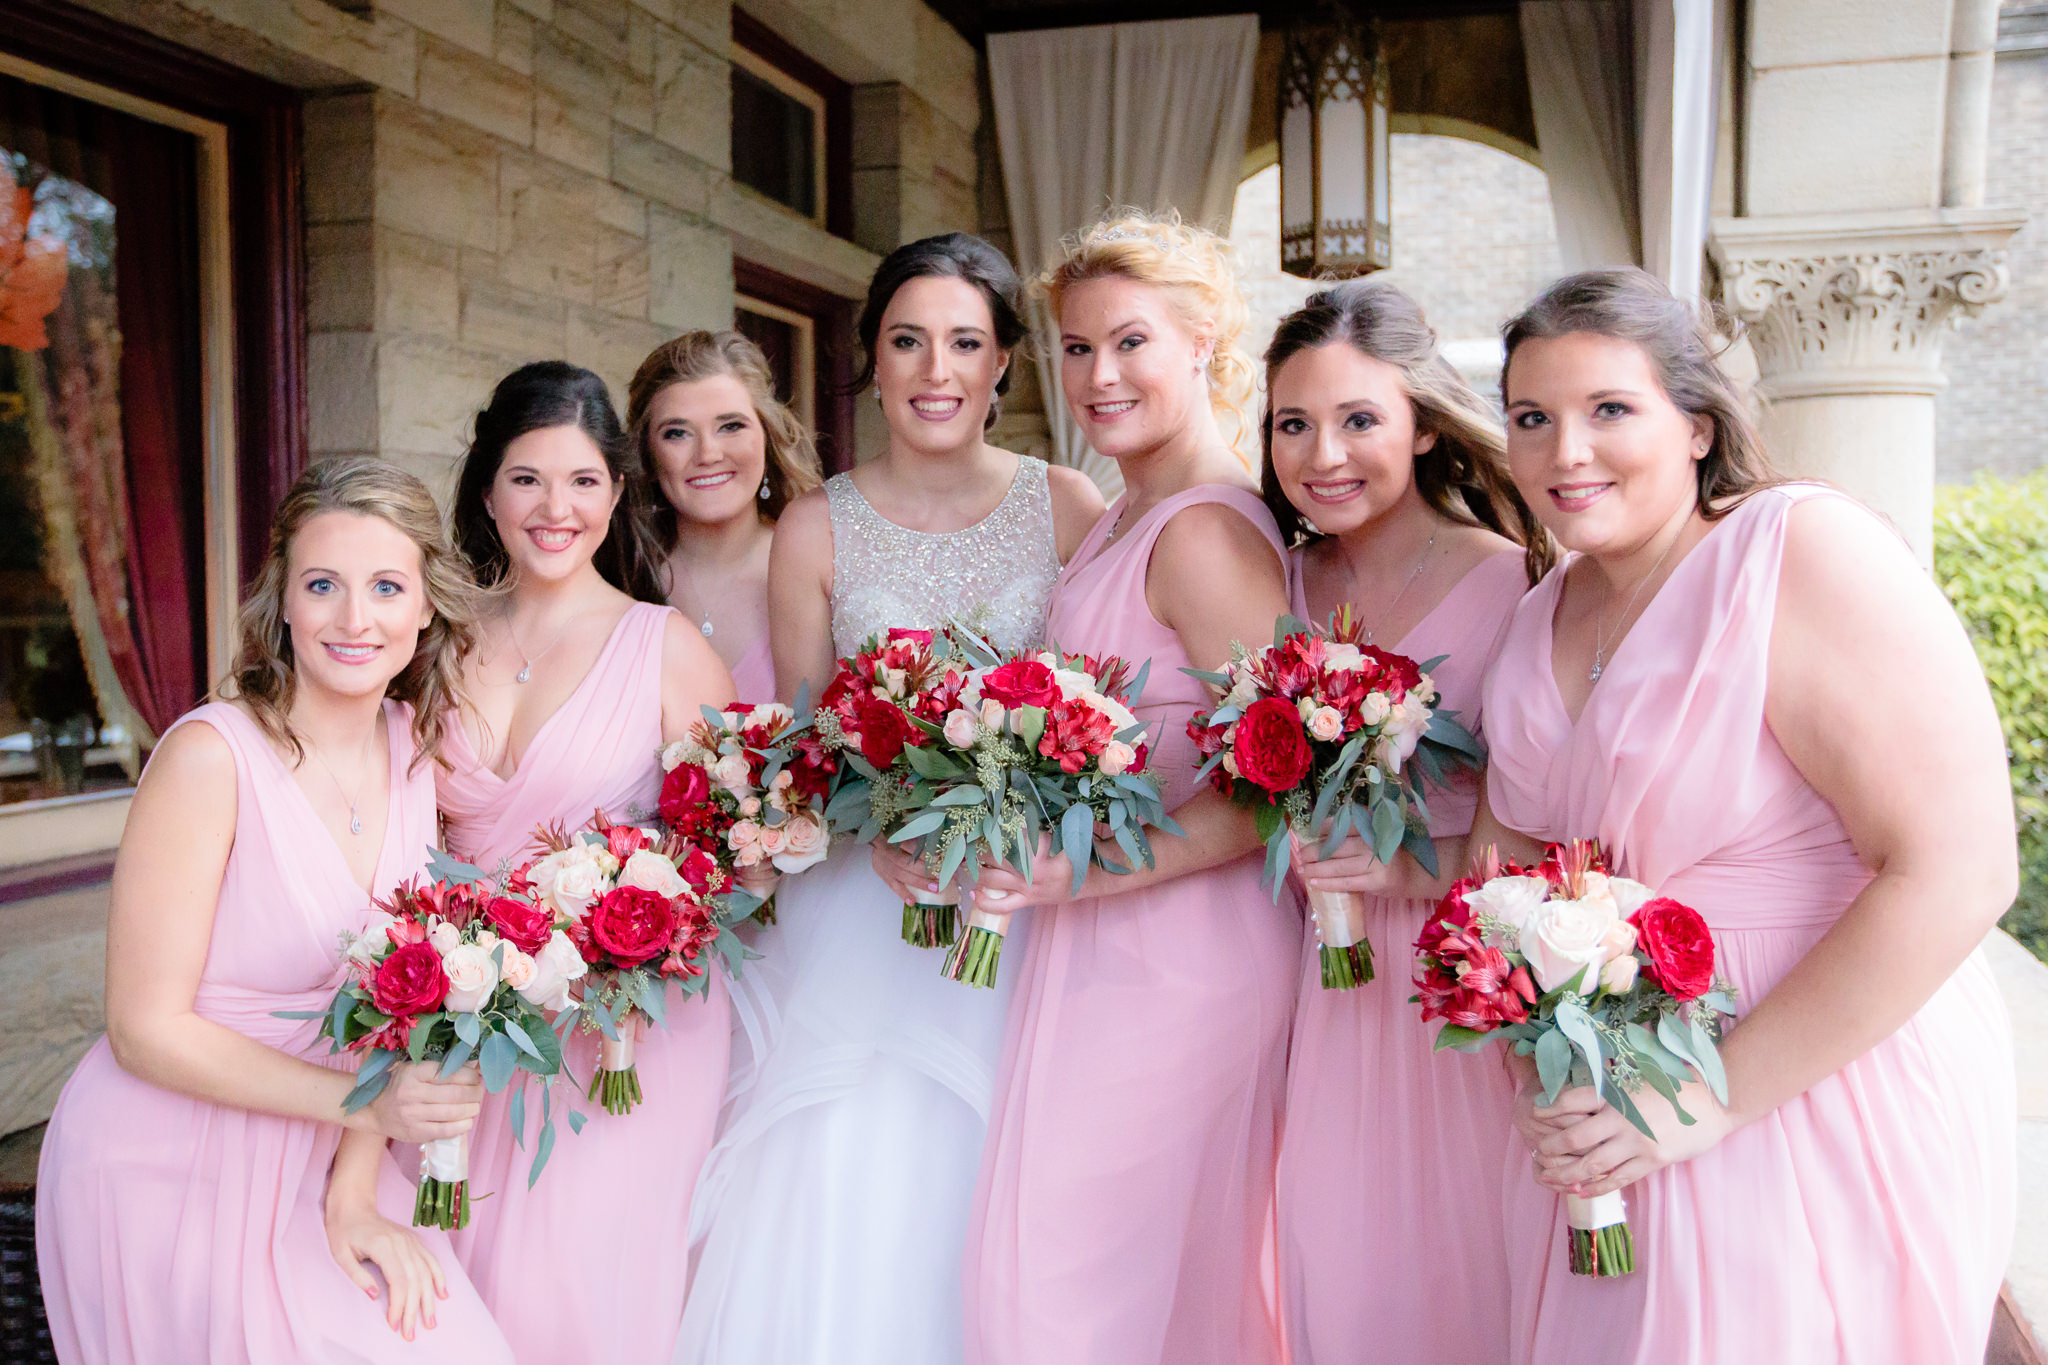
764	494
878	398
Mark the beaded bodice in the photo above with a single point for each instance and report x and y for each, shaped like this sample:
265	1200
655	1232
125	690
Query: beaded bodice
995	577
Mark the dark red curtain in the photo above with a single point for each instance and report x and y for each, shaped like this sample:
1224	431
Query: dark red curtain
150	174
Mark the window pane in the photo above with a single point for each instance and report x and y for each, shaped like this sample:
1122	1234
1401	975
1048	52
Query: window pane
773	143
778	341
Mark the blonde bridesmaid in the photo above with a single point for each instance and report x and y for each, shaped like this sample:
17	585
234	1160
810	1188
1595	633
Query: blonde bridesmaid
726	457
1388	473
578	679
1760	703
184	1206
1127	1187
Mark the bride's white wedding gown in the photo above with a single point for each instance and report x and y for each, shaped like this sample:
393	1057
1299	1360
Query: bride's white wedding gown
830	1218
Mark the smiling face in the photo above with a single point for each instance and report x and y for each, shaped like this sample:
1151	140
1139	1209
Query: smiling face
710	449
552	502
1595	445
937	363
1130	366
355	602
1344	437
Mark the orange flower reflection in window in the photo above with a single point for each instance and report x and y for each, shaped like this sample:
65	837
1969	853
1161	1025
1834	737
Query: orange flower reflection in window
32	269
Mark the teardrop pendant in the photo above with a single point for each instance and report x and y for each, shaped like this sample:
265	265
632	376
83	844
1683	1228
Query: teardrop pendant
524	673
1594	674
355	822
706	627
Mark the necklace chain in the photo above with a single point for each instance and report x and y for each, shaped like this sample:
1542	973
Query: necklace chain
1600	636
527	661
1413	574
690	581
355	822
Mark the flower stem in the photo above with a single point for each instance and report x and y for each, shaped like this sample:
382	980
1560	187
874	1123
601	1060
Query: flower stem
1347	968
974	958
929	926
617	1091
1603	1252
764	913
441	1204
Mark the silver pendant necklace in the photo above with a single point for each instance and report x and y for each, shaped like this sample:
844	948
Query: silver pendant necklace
704	626
1413	574
1600	637
527	661
355	821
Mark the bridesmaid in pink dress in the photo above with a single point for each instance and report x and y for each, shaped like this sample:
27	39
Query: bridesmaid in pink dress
727	458
1392	468
571	694
1712	685
179	1205
1125	1204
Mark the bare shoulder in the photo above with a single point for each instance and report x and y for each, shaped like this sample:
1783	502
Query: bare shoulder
1208	538
190	784
803	533
1470	546
1076	506
195	753
1840	561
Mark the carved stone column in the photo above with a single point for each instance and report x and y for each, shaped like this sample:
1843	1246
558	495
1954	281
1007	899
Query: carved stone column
1846	315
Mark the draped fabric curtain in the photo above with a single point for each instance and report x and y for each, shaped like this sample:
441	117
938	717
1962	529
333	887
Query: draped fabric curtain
1623	92
115	419
1149	115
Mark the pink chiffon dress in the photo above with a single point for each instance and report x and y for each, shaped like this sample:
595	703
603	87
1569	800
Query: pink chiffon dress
1125	1204
589	1264
1868	1220
169	1228
1389	1228
753	676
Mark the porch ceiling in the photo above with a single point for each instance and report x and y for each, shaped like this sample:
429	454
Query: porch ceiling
976	19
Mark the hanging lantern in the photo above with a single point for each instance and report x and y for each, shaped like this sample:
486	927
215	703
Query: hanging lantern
1335	98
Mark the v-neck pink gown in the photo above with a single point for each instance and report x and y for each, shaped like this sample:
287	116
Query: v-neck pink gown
589	1264
1866	1222
169	1228
1389	1228
753	676
1126	1191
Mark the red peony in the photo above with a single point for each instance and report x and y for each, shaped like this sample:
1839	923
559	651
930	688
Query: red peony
1272	748
522	924
630	925
410	981
686	787
1680	945
883	730
1021	682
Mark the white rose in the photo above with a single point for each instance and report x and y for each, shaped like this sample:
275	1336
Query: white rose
517	969
1386	752
808	843
1230	763
774	839
1325	723
1629	896
784	780
1513	901
472	976
744	839
892	683
1565	937
992	714
750	806
1375	708
673	756
1243	692
445	937
1618	975
650	871
730	772
554	967
1117	757
1120	717
960	729
771	714
364	947
570	880
1342	657
1072	683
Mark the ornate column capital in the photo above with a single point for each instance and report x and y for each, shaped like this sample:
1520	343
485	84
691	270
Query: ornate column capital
1858	303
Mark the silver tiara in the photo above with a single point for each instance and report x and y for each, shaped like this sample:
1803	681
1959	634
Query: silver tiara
1124	234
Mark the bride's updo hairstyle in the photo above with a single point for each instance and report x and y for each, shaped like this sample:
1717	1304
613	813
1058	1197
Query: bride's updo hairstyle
1192	267
959	256
1634	306
1463	476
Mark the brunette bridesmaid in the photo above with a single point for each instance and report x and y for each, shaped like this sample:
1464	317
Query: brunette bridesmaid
1388	471
179	1205
727	457
1127	1186
1760	703
578	679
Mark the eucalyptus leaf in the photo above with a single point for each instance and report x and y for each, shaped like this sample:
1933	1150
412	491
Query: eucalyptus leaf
499	1059
1578	1028
1553	1063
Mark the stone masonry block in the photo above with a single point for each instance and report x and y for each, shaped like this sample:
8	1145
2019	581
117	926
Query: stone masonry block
689	271
479	91
341	282
1837	139
605	25
877	125
341	391
613	347
709	22
510	320
467	22
433	410
621	209
640	30
572	134
692	99
543	11
513	40
660	172
547	227
621	285
948	70
417	285
435	177
1817	32
340	157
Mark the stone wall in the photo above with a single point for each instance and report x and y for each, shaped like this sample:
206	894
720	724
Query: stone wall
1989	418
494	181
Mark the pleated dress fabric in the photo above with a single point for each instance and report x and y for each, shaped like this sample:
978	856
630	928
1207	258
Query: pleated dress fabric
171	1229
590	1263
1866	1221
1389	1228
1126	1197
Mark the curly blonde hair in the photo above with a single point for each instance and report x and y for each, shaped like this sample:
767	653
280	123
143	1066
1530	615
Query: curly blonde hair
1192	267
792	455
264	677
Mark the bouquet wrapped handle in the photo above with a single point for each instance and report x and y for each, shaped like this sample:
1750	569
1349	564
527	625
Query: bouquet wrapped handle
1340	929
443	1199
1600	1241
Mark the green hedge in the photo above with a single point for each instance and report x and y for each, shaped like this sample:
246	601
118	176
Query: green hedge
1991	558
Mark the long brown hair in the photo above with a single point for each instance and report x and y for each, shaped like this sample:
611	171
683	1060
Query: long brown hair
792	457
1463	476
264	677
1678	337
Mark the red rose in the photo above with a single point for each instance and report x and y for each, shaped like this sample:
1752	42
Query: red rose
1021	682
883	730
410	981
1272	749
522	924
632	924
686	787
1680	946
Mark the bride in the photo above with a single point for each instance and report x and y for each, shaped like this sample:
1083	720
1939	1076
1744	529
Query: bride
830	1219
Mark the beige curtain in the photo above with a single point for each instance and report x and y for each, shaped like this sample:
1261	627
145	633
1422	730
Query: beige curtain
1149	115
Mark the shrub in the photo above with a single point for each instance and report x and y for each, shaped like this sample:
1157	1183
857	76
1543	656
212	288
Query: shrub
1991	558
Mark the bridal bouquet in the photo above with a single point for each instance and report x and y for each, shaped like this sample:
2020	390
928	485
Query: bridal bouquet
1322	736
748	786
882	710
1604	982
636	906
453	970
1035	741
